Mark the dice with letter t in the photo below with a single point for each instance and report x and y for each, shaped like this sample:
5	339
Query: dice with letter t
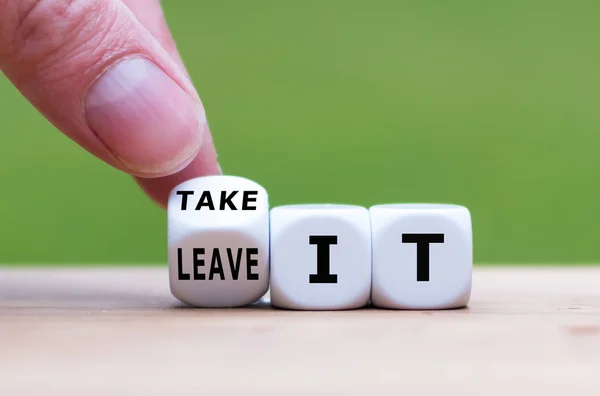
320	257
422	256
218	241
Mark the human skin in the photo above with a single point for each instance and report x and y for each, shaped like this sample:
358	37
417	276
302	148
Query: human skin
107	74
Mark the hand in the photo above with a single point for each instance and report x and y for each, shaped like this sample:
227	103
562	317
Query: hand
108	75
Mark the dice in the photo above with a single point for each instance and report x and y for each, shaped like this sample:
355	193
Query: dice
218	241
320	257
226	247
422	256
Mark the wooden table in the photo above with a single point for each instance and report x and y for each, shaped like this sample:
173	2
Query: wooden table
87	332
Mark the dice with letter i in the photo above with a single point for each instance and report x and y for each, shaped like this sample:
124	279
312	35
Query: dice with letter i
320	257
218	241
422	256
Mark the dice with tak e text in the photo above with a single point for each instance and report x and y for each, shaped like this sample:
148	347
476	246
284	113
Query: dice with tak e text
218	241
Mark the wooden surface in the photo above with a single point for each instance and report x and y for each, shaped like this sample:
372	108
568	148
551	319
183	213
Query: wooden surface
120	332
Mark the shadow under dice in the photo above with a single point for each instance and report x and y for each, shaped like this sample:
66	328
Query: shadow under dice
320	257
422	256
218	241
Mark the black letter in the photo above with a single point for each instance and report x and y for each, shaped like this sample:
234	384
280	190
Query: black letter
205	197
198	263
227	200
182	276
235	268
216	258
422	241
184	199
322	275
250	262
248	199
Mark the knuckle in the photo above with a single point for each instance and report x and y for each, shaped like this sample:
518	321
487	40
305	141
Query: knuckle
36	27
43	33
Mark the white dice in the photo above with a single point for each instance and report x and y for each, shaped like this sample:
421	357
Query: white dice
218	241
320	257
422	256
226	247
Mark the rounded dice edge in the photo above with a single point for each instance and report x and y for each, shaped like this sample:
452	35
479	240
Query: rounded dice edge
232	178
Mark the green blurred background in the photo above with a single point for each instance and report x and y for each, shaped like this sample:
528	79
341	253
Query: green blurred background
493	105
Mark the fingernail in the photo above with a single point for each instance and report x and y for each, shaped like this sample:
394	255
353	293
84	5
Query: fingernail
144	118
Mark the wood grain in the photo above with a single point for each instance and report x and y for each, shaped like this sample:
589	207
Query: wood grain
88	332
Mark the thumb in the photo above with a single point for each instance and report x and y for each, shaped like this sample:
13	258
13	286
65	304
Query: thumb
102	79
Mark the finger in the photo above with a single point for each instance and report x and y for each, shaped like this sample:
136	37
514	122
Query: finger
150	14
204	164
101	78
